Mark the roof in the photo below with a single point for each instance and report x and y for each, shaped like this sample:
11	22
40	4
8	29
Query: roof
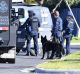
23	4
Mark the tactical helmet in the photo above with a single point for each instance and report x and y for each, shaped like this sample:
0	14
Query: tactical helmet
31	13
70	14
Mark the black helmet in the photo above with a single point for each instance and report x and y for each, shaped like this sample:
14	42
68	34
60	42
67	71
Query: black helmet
70	14
31	13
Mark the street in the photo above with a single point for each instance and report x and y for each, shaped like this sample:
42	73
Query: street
24	63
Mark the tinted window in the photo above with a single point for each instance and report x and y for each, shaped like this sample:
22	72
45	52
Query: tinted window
21	13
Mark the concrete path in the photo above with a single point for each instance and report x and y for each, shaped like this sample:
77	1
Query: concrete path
25	63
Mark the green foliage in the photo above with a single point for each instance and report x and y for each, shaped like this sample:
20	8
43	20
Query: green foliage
29	1
52	3
73	2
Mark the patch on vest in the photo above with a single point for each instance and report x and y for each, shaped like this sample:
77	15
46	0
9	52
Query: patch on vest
34	20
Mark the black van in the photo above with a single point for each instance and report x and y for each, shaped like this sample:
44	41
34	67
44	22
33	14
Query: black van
7	33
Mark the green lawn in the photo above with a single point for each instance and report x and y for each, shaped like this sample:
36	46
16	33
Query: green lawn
75	40
71	61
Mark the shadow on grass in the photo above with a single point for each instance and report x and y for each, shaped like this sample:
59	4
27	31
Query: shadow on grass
72	60
66	60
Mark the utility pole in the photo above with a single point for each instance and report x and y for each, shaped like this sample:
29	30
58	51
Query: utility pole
57	5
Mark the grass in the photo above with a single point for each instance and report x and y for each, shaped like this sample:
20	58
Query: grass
75	40
71	61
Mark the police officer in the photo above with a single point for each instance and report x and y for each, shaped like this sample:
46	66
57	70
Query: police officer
32	24
57	26
68	28
57	29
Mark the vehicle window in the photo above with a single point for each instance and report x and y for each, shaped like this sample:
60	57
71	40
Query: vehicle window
13	15
21	13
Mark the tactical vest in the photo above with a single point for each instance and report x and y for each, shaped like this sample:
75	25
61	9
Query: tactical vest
70	25
34	25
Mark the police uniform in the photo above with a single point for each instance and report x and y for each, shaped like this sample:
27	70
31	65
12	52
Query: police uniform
68	27
57	28
32	24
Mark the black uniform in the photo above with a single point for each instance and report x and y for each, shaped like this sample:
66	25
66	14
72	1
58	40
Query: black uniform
32	24
68	28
